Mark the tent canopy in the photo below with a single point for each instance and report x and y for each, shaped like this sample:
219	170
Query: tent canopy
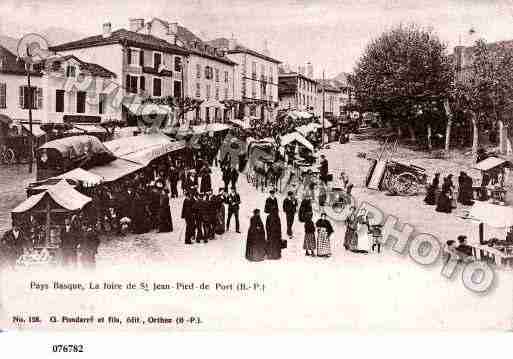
36	129
492	162
306	129
81	175
148	109
89	128
61	195
493	215
143	149
296	136
243	124
115	170
76	146
299	114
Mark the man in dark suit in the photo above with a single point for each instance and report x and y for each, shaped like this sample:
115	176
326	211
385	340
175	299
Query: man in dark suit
323	170
69	243
199	210
290	209
12	244
233	201
234	176
271	203
89	247
173	181
188	215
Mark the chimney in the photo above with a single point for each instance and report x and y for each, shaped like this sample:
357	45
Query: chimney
309	70
136	24
107	29
172	32
232	43
266	48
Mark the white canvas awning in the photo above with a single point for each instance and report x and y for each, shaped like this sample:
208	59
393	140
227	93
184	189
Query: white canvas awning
36	129
492	162
493	215
147	109
61	193
81	175
115	170
243	124
295	136
90	128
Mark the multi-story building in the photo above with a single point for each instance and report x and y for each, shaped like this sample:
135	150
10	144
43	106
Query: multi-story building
60	91
299	92
256	79
332	96
209	73
144	64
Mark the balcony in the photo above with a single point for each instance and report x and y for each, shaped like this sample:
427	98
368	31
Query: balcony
254	76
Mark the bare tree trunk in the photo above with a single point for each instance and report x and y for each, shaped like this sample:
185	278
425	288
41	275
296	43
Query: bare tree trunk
413	138
502	138
449	125
429	134
475	136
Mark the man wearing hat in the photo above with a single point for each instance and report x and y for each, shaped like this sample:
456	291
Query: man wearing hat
271	203
233	201
290	209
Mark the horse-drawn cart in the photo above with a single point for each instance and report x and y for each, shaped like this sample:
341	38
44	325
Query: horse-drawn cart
395	177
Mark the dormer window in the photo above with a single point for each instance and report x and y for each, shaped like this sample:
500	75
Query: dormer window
71	71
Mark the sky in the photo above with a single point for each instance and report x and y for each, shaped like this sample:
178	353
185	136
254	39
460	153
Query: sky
330	34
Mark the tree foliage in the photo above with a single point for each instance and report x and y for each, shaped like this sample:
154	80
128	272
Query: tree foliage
403	71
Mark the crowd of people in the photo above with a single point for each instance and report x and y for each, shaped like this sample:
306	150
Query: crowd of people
446	199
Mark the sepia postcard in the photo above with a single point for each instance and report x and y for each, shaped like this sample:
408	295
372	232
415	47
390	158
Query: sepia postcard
232	165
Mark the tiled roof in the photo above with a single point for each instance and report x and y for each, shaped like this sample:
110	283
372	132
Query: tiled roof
11	65
189	39
122	36
223	43
329	85
93	69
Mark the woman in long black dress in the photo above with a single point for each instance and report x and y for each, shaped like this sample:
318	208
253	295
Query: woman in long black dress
433	188
255	244
444	204
273	228
165	220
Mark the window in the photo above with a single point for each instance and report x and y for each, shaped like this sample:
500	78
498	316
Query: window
178	63
3	95
253	70
35	93
217	75
217	93
226	76
198	71
226	93
133	56
59	100
141	58
209	72
102	102
208	92
157	60
198	89
70	71
157	87
253	90
142	83
81	101
177	89
131	84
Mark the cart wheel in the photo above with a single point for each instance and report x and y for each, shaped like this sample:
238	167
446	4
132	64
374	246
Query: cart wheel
406	184
10	158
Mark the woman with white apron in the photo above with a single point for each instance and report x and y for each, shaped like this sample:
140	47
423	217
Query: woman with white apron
364	237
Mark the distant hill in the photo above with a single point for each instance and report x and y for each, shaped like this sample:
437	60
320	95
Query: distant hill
10	43
57	35
54	36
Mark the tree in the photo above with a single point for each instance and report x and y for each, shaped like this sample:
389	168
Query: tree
484	91
401	71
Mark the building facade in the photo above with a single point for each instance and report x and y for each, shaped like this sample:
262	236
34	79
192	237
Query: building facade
256	80
144	65
299	92
332	97
208	73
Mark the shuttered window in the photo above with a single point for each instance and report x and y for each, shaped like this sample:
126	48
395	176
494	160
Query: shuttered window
141	58
81	101
59	100
157	87
3	95
24	97
102	102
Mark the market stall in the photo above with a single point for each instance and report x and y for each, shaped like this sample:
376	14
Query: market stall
500	218
493	171
62	155
50	206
